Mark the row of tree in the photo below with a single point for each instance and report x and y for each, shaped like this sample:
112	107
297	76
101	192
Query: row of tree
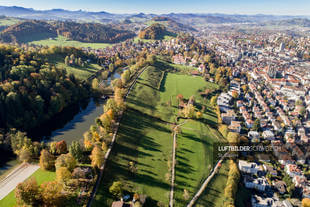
232	184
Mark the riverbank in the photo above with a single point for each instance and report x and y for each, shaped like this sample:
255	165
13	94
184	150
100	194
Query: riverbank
68	125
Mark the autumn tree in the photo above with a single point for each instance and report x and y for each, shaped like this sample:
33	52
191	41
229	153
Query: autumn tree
125	77
235	94
76	151
189	111
88	140
105	122
233	137
97	157
52	147
52	195
25	155
47	161
111	67
63	175
61	147
95	84
305	202
223	129
180	97
199	115
28	193
119	100
66	160
104	147
116	189
213	101
117	83
67	61
151	59
232	183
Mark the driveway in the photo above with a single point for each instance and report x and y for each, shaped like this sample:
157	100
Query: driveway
18	175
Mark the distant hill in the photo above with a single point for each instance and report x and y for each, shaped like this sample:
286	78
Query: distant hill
155	32
53	14
92	32
176	21
172	24
21	32
294	22
86	32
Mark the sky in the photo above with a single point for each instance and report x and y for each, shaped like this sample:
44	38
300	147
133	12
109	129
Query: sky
277	7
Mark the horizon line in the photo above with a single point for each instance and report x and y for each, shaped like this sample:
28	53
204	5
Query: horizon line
198	13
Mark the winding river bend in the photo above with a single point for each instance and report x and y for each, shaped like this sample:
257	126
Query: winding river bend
70	125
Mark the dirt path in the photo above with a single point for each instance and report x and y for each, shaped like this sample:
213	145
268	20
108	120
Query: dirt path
18	175
171	200
206	182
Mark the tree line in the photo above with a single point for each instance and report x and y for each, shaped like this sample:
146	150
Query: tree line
84	32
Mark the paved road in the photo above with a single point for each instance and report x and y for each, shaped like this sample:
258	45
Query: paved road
18	175
206	182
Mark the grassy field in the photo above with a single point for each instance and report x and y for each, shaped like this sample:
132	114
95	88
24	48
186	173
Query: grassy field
80	72
166	37
8	21
193	156
40	175
194	159
213	195
145	138
63	41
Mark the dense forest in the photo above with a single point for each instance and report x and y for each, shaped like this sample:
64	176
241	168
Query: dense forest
18	33
92	32
86	32
155	32
33	90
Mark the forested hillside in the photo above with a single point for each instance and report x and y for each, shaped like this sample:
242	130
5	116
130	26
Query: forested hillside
155	32
91	32
86	32
32	90
19	33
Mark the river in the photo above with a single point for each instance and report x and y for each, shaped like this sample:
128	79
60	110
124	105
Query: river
70	125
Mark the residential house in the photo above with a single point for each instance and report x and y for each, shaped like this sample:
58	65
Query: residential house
280	186
268	135
292	170
228	117
235	126
259	184
248	167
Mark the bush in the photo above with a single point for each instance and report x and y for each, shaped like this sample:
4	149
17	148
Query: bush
47	161
116	189
66	160
61	147
63	175
28	192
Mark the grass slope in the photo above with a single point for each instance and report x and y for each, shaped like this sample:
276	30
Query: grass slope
80	72
40	175
213	195
8	21
63	41
145	138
